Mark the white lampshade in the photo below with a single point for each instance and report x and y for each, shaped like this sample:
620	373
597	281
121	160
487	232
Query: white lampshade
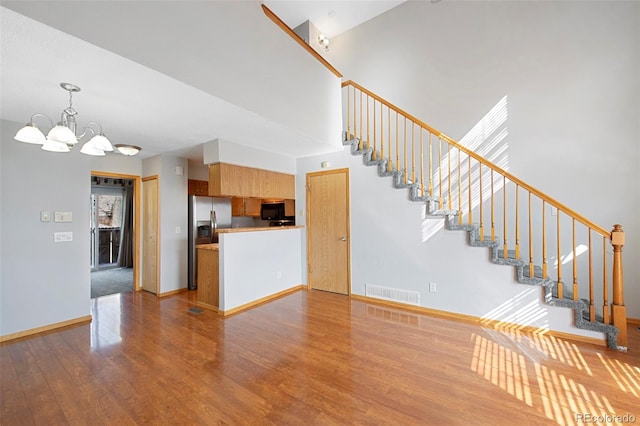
30	134
100	142
128	149
55	146
90	148
62	133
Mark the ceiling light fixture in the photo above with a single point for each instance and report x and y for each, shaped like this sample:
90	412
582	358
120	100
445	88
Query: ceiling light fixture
62	137
323	41
128	150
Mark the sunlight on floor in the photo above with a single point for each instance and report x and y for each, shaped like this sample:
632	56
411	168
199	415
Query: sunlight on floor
502	367
561	350
563	398
626	376
505	359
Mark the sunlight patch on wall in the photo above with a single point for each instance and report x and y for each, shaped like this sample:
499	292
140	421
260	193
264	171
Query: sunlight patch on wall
487	138
580	249
519	311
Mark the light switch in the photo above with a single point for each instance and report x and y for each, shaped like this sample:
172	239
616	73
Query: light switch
177	229
45	216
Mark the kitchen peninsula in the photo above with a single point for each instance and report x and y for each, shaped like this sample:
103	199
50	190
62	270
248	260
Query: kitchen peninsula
249	266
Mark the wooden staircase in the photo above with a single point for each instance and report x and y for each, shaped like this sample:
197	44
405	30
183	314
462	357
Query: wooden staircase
457	194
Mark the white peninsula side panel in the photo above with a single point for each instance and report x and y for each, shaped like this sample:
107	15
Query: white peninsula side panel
258	264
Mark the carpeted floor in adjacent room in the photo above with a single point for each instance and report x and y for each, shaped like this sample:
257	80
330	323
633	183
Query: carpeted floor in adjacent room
111	281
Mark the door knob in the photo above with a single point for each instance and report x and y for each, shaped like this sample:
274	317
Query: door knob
343	239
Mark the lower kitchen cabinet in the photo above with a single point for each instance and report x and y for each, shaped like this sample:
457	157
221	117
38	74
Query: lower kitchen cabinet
208	277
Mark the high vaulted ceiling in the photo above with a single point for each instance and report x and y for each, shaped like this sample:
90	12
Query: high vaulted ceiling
330	17
136	103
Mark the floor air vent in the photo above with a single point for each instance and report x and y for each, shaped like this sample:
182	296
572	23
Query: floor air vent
394	294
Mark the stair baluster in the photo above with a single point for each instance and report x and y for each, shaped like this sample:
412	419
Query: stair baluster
440	202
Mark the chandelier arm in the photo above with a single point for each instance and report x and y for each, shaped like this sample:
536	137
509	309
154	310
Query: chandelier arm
96	123
87	128
84	132
41	115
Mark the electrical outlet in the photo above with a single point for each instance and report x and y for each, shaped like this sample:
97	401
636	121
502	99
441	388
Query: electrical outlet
279	275
62	237
433	287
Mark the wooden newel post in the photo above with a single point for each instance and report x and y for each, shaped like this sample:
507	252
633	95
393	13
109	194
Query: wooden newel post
618	310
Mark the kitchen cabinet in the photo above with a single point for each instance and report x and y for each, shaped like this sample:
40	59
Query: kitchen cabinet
198	187
276	185
245	206
289	207
247	182
208	276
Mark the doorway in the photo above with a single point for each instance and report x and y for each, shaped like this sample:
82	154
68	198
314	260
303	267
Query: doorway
114	233
328	233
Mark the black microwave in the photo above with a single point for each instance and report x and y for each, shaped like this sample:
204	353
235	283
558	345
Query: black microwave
273	211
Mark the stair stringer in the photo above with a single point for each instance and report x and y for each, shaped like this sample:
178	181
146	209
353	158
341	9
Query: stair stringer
579	308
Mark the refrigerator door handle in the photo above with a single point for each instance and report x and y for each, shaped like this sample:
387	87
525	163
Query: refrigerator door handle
214	225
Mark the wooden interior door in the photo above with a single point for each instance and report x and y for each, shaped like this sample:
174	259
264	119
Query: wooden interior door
150	235
328	247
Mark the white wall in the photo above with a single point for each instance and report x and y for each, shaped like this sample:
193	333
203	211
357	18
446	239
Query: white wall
197	170
173	215
258	264
121	164
388	248
172	193
42	282
571	74
222	151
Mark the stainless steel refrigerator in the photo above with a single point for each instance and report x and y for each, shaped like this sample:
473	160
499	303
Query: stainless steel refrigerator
206	215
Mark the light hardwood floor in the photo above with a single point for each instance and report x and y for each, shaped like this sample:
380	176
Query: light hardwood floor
307	358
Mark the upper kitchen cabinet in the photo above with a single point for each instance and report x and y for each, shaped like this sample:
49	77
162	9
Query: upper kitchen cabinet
229	180
197	187
245	206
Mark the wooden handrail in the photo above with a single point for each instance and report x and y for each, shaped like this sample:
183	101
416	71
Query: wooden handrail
602	231
299	40
615	314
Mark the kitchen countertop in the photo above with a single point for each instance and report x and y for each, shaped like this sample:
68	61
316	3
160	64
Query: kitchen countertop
211	246
261	228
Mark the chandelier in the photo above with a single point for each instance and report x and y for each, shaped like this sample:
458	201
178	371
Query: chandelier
63	136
